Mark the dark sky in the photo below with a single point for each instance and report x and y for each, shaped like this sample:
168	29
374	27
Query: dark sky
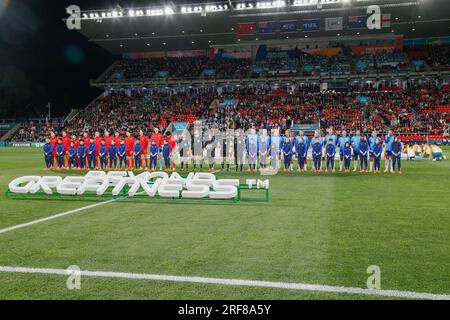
42	61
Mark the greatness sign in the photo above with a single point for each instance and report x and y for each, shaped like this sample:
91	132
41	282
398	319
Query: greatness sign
198	185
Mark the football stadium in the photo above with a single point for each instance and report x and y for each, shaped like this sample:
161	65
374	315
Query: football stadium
225	150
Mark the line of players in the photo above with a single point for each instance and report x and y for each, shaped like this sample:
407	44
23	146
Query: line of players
127	153
108	152
365	151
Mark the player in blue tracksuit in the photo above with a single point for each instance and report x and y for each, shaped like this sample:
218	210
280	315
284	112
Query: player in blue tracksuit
91	154
103	153
263	150
287	154
122	153
306	143
302	151
363	154
377	151
48	151
343	139
347	153
388	141
275	142
252	155
60	154
166	151
396	155
112	153
72	153
82	154
373	138
330	151
137	151
154	152
317	154
355	141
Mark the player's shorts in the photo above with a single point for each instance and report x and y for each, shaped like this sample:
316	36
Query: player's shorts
129	153
388	153
355	155
144	152
341	156
371	155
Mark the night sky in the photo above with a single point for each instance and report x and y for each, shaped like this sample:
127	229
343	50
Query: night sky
42	61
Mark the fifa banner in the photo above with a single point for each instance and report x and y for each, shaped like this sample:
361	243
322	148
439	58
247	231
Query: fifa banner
333	24
288	26
266	27
125	186
311	25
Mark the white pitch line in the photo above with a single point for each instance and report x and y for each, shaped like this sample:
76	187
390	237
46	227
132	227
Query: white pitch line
56	216
233	282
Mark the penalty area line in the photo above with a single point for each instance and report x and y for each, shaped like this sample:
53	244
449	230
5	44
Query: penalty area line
231	282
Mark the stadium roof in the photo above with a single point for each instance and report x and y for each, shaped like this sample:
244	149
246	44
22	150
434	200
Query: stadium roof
199	26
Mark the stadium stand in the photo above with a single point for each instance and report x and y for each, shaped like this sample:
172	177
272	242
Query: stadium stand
414	108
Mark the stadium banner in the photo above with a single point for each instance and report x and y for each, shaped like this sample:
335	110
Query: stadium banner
180	126
266	27
333	24
389	47
324	52
126	186
24	144
244	53
357	22
288	26
311	25
144	55
247	28
363	99
7	126
187	53
228	102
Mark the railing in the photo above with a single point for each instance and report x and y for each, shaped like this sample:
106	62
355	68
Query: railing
314	78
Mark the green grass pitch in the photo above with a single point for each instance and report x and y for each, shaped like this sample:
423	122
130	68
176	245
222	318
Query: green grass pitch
317	228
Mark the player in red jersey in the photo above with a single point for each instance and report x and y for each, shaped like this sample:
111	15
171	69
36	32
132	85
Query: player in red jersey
53	142
76	144
157	137
144	143
98	143
86	141
117	139
66	142
108	139
129	143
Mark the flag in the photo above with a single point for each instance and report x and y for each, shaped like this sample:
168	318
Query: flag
247	28
266	27
333	24
311	25
288	26
357	22
386	20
